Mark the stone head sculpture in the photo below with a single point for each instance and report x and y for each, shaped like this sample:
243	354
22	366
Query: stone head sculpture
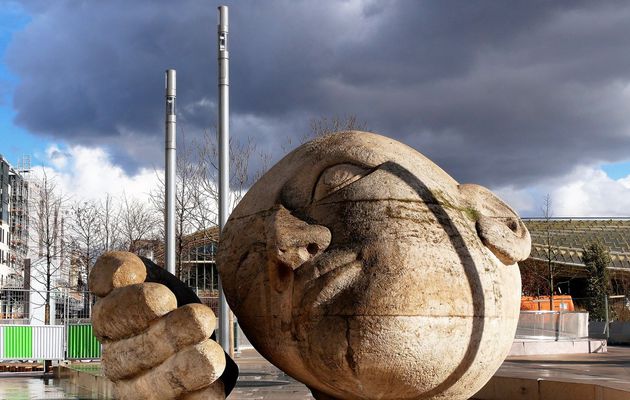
362	269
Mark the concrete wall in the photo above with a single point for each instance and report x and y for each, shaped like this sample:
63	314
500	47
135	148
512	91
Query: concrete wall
536	347
507	388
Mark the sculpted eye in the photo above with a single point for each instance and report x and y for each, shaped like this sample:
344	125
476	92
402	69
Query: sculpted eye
337	177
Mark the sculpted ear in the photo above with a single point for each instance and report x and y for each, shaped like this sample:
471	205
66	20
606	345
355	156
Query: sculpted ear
290	243
498	226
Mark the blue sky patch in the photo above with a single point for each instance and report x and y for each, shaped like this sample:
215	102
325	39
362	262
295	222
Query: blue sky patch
15	141
617	170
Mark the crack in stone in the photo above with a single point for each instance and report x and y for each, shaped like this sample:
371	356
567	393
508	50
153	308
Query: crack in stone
349	351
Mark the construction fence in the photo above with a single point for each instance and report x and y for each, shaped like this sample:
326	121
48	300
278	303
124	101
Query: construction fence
25	334
48	342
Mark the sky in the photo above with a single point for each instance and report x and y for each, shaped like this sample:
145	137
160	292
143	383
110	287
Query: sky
527	98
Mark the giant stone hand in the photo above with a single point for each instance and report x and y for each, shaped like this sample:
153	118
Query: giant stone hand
153	349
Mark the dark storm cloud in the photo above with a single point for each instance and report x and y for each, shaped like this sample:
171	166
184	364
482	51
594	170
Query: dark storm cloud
494	92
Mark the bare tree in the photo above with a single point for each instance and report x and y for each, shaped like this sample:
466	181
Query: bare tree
542	275
207	195
86	237
108	215
86	243
533	277
49	222
137	221
550	250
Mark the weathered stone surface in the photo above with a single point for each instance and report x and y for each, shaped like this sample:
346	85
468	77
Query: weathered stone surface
213	392
184	326
116	269
128	311
151	349
191	369
365	271
498	226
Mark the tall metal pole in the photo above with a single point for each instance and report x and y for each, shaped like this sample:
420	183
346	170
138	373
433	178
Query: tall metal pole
224	159
169	215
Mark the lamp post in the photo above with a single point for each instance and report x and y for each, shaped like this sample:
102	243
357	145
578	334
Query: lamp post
224	160
169	151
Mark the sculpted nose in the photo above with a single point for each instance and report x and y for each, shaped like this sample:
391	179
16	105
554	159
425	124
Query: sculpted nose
498	226
290	243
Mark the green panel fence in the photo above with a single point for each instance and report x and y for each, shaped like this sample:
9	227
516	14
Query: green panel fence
82	343
18	342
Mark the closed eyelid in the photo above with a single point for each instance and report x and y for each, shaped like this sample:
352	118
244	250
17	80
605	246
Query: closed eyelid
336	178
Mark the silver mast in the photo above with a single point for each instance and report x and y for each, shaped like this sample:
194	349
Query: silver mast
169	215
224	159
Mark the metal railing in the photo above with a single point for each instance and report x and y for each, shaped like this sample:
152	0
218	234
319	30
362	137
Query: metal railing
28	307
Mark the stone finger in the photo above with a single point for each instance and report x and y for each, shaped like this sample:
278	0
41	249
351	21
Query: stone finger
116	269
129	310
191	369
184	326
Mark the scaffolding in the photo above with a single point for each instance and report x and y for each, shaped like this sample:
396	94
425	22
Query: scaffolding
19	213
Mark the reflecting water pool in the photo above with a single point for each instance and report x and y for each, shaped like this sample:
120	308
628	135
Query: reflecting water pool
38	388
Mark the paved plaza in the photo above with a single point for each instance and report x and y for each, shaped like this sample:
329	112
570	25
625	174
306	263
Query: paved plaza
261	380
610	369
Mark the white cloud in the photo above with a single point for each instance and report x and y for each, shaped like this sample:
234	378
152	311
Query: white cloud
585	192
56	156
625	181
590	191
89	173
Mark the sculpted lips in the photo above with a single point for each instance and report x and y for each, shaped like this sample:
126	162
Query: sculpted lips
320	281
332	260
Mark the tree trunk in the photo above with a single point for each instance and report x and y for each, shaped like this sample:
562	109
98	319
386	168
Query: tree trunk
551	285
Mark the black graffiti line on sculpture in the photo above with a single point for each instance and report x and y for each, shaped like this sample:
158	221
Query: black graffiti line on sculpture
459	245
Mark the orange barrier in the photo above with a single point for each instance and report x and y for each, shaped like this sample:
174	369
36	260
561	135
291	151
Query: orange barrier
561	302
